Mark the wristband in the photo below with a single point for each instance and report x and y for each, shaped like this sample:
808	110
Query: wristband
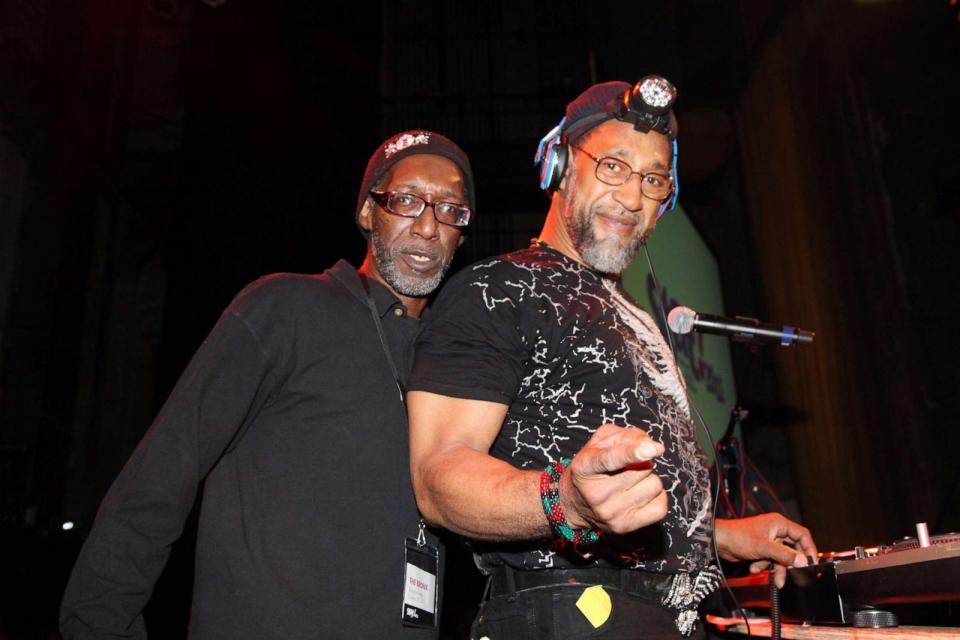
550	499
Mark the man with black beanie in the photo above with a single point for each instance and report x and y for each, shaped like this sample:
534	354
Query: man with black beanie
548	418
291	416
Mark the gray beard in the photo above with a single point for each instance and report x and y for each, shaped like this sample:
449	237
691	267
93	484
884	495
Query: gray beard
413	286
608	255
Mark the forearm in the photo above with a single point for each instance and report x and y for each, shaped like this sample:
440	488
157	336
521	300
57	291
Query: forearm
608	486
110	585
144	511
478	496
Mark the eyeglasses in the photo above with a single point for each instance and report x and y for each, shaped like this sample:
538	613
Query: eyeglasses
410	205
653	184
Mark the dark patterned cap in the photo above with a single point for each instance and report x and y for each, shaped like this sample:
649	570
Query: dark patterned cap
408	143
647	105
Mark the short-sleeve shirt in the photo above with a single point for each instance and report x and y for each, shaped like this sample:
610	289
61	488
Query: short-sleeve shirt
568	350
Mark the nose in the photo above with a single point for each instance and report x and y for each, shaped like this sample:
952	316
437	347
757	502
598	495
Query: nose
425	225
628	194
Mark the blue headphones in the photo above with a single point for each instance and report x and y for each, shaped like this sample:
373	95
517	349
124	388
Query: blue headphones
552	158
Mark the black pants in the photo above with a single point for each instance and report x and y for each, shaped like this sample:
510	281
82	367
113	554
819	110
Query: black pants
550	612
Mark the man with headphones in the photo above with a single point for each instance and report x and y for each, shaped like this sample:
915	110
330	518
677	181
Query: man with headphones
549	422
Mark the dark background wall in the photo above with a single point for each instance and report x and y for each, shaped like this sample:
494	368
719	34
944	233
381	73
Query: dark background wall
156	155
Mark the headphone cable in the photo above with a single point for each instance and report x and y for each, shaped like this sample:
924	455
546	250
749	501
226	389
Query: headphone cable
713	446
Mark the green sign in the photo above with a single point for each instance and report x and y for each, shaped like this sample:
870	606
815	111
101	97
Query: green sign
688	276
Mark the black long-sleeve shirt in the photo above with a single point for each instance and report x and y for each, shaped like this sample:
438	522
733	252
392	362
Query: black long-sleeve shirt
290	416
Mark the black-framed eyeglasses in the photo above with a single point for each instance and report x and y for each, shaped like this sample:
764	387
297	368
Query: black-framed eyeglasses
410	205
613	171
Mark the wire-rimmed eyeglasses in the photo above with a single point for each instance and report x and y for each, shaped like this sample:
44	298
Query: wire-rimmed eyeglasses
615	172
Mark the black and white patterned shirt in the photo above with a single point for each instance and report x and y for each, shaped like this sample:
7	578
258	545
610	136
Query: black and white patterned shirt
567	350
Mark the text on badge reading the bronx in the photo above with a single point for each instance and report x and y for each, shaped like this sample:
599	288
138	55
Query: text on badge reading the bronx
419	584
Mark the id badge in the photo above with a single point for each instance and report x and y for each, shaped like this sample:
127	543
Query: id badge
420	588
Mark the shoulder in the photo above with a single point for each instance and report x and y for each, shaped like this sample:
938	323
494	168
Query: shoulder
535	272
506	284
282	302
481	283
499	270
277	287
531	264
289	291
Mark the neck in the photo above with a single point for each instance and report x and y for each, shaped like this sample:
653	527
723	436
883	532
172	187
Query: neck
554	231
414	305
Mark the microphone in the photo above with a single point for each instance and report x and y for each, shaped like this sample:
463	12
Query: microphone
684	320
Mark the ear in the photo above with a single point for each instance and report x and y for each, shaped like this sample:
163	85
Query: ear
460	241
365	219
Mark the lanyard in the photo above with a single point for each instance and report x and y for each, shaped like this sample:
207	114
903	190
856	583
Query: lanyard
383	339
420	606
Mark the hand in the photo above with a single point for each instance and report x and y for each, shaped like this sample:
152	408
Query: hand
761	538
610	484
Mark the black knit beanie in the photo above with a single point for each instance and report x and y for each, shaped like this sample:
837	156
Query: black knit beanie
408	143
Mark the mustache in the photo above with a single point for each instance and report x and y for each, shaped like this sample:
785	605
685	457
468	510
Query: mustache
618	213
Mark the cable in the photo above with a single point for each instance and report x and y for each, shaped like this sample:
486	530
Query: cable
774	612
713	446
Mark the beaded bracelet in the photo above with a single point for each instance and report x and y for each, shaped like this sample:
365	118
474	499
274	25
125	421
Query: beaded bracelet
550	498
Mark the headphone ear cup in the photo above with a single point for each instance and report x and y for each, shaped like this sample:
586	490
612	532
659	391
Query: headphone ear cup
553	165
562	151
671	202
546	167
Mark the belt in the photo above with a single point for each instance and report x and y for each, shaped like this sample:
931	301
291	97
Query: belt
655	586
680	593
